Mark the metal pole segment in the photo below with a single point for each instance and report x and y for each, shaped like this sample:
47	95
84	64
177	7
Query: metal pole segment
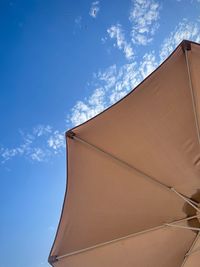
124	237
152	179
190	250
193	96
185	199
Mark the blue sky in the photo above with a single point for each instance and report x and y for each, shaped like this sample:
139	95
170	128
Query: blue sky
62	62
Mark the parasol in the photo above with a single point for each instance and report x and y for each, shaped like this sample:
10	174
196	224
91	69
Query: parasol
133	188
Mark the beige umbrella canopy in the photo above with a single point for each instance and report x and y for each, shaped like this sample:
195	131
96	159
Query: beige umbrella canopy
133	188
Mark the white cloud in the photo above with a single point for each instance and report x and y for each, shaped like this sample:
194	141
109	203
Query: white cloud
104	39
111	84
84	110
184	30
99	99
94	9
38	154
22	149
126	79
148	64
56	141
6	153
42	130
191	1
116	32
37	145
114	83
78	21
144	17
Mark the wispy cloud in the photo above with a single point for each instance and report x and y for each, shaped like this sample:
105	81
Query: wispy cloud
94	9
78	21
110	84
127	78
144	17
37	145
41	130
116	32
56	141
184	30
38	154
114	83
148	64
84	110
191	1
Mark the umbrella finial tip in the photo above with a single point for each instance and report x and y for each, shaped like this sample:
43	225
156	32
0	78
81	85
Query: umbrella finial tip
52	259
186	45
70	134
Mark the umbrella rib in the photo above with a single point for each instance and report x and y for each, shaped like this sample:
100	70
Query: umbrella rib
150	178
121	161
125	237
194	104
182	226
186	199
190	250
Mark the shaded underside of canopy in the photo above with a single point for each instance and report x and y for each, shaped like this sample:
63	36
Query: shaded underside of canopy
133	169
